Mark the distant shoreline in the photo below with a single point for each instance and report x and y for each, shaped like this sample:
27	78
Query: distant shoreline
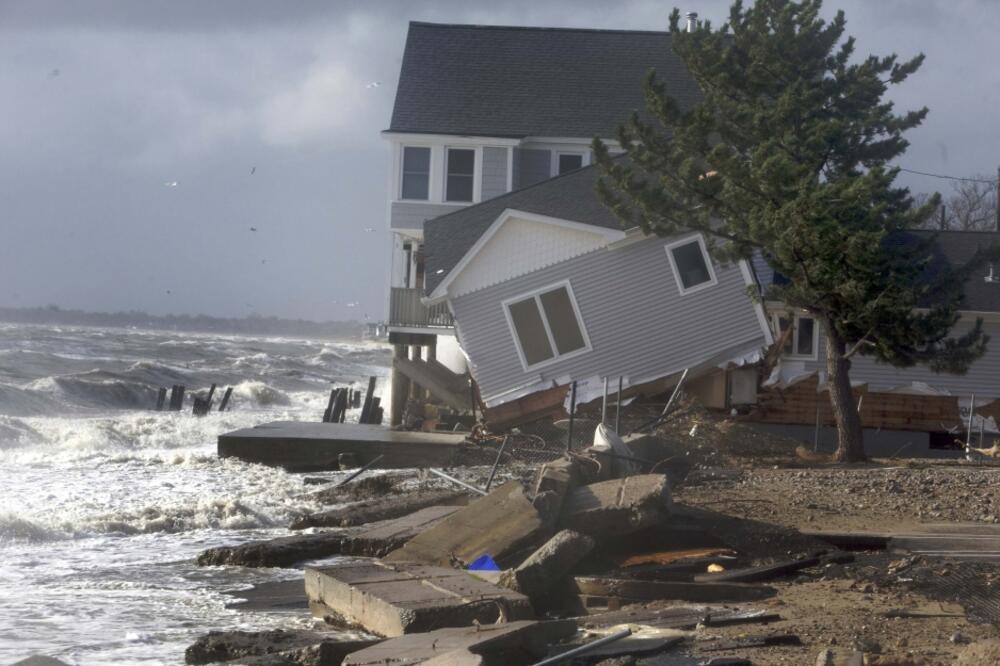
250	325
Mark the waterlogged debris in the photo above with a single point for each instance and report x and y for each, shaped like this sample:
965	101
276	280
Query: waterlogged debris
382	508
289	646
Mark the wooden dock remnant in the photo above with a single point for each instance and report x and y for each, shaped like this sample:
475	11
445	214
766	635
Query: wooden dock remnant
302	446
225	399
176	397
161	397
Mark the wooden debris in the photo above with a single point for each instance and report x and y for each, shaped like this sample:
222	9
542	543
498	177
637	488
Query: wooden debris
756	574
618	506
677	617
382	508
648	590
743	642
391	599
509	643
501	525
674	556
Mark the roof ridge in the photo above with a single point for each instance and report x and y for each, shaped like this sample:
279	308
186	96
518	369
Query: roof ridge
482	26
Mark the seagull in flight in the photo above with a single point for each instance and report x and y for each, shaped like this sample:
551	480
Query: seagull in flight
374	84
170	183
253	228
253	170
368	230
54	73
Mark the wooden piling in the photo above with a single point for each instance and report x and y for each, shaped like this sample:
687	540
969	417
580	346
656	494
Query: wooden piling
225	399
367	408
177	397
328	412
161	397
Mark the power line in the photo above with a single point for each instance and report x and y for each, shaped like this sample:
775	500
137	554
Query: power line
944	177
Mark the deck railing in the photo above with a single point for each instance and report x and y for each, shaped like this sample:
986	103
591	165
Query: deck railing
405	309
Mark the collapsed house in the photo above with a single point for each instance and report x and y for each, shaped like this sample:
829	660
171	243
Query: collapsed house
504	253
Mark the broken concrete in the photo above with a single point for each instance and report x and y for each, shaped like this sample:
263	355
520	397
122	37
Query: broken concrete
618	506
371	540
402	598
282	646
508	643
553	482
547	565
382	508
501	524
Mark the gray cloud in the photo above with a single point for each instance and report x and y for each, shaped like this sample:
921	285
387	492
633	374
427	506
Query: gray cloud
105	102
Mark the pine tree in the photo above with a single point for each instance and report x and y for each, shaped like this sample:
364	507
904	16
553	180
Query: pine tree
788	154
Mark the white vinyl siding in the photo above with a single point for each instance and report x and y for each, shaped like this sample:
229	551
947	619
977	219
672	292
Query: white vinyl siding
546	325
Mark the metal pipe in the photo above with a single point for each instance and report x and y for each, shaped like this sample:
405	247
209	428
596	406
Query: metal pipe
584	649
604	403
968	436
618	407
666	407
572	409
493	472
360	470
456	481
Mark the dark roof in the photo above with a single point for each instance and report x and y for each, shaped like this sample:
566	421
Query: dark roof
571	196
951	250
515	82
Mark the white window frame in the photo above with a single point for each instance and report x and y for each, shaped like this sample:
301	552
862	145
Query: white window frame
506	303
430	172
708	263
794	355
477	157
554	165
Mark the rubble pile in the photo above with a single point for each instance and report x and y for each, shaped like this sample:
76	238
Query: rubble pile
630	551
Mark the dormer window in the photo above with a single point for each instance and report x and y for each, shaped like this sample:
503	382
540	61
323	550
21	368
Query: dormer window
416	173
460	167
569	162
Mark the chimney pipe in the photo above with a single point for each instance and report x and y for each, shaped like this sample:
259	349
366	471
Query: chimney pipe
692	19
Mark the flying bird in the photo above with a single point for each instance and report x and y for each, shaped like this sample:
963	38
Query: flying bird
374	84
54	73
253	228
352	304
168	291
368	230
253	170
170	183
263	261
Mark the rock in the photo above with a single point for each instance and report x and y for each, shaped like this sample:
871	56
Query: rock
550	563
392	599
958	638
383	508
979	653
513	525
40	660
618	506
278	646
373	540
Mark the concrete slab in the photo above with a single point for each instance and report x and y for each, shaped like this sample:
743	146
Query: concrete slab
303	446
373	540
618	506
508	643
402	598
381	508
501	524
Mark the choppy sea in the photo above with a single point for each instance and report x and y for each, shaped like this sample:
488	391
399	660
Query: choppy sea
104	502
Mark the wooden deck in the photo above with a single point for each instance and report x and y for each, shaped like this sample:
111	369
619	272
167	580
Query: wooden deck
301	446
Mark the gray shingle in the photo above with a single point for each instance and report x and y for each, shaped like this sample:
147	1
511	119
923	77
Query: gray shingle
572	196
516	82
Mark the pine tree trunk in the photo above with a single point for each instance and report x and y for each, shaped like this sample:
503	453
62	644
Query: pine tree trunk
850	441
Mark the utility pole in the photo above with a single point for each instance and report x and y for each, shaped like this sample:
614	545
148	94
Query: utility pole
996	224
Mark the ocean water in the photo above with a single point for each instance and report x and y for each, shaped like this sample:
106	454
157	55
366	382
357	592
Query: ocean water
104	503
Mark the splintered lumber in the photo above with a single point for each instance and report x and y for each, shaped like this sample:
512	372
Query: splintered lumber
517	642
374	539
500	525
380	508
547	565
755	574
392	599
618	506
651	590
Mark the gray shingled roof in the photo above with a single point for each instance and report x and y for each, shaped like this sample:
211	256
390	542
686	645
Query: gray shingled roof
572	196
516	82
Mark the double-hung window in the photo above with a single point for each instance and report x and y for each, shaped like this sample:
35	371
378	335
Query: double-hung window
691	264
460	167
416	173
546	325
803	340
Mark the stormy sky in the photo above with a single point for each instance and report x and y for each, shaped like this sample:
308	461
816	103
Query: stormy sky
140	141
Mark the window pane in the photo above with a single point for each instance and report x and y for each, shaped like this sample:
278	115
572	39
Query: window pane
417	159
459	188
570	162
530	331
783	325
805	344
461	161
415	186
416	173
691	266
562	320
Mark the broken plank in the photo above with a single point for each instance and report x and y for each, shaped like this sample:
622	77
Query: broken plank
648	590
392	599
501	525
511	643
744	642
756	574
